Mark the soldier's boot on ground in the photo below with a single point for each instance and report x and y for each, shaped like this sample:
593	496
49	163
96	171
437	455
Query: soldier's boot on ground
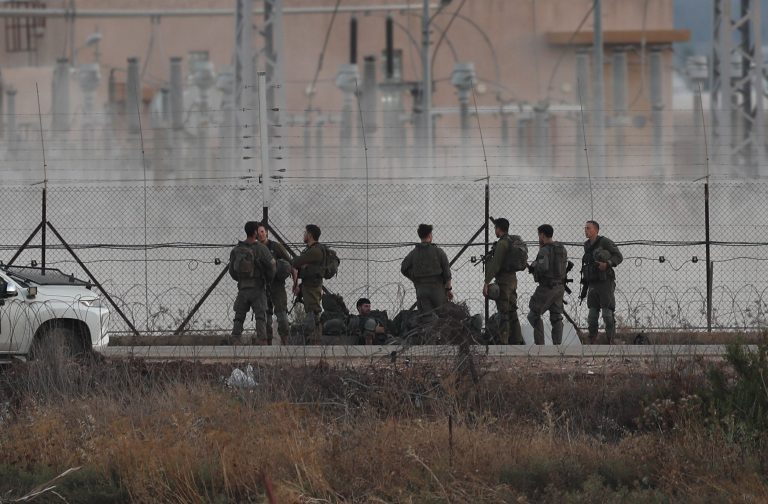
610	325
237	331
557	330
503	330
538	327
592	324
316	335
516	334
269	331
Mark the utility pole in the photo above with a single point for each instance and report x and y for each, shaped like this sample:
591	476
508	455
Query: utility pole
243	75
598	97
426	92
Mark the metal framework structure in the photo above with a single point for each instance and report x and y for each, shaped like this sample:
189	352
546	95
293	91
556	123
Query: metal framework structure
737	86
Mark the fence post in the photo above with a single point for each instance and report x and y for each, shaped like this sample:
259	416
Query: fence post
263	132
487	229
708	257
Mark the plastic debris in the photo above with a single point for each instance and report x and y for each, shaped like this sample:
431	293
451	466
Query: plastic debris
242	379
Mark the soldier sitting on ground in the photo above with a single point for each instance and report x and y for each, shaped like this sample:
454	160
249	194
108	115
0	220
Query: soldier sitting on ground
368	327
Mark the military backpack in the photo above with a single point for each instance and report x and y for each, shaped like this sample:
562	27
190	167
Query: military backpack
559	263
517	254
243	262
331	262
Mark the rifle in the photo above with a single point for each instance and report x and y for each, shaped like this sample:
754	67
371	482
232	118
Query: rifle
297	298
584	285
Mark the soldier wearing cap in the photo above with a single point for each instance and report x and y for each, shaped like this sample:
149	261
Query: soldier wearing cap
601	256
502	266
428	268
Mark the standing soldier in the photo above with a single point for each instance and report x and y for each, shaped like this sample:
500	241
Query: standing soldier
309	267
277	300
428	268
509	255
251	264
601	255
549	271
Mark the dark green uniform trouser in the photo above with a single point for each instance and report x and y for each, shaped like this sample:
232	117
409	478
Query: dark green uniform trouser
547	297
430	297
601	297
251	298
312	296
277	304
506	306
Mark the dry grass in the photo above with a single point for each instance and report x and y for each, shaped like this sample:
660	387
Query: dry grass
387	433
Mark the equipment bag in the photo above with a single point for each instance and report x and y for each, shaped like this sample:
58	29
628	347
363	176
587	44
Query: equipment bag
517	257
331	263
559	262
244	262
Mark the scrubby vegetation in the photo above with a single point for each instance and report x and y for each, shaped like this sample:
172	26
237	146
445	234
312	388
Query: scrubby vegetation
402	431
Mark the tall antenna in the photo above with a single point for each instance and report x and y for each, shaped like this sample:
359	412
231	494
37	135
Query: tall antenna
144	167
42	139
586	154
365	149
45	186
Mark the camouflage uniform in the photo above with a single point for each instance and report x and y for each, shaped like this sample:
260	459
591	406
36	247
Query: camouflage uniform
310	266
602	284
277	300
548	295
506	305
251	292
428	268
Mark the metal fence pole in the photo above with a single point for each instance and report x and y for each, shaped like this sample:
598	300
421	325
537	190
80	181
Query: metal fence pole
708	257
264	145
487	231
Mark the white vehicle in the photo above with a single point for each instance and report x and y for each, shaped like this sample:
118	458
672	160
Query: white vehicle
39	309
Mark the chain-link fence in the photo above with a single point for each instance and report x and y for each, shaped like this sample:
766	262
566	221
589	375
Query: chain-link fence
157	249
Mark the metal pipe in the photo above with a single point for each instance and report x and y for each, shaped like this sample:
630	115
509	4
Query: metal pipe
657	107
266	172
60	96
390	47
708	259
10	96
154	13
132	98
597	86
426	92
369	98
353	40
619	100
541	131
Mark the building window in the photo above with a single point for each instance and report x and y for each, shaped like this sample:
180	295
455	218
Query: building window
22	33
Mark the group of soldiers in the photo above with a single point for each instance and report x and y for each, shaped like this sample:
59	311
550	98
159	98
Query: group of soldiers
262	267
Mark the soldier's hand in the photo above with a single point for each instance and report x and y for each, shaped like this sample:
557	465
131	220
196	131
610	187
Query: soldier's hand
602	266
296	289
449	294
485	290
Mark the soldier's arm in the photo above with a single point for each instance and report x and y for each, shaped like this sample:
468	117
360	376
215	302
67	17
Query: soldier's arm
312	255
405	266
616	256
541	265
493	266
267	265
446	267
232	265
281	252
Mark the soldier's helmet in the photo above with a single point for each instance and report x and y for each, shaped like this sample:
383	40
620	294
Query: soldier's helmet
494	292
282	269
334	327
370	325
602	255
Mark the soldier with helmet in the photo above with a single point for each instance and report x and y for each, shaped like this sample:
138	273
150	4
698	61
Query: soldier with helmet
600	258
509	255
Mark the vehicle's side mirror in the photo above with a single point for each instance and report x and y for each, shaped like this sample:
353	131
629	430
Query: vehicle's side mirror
7	290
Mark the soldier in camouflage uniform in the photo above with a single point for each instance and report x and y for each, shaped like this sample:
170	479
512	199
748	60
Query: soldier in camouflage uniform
251	290
428	268
549	271
500	267
277	299
309	268
365	326
601	255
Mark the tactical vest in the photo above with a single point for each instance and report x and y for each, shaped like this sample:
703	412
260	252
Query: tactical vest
516	258
558	262
590	271
426	262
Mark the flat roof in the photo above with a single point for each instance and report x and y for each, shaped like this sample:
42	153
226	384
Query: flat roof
621	37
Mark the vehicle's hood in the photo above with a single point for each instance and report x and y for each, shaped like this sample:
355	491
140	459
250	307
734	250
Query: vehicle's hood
62	293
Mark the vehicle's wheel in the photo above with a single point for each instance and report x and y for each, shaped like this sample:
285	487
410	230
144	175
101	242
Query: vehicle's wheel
58	341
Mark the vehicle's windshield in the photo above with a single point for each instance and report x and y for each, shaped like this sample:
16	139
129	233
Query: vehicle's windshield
52	276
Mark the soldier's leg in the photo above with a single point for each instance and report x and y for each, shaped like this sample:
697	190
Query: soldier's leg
593	303
258	298
556	314
515	332
280	302
608	306
535	310
313	328
270	310
502	308
240	307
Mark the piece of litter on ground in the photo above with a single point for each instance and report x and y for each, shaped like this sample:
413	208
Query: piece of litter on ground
242	379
